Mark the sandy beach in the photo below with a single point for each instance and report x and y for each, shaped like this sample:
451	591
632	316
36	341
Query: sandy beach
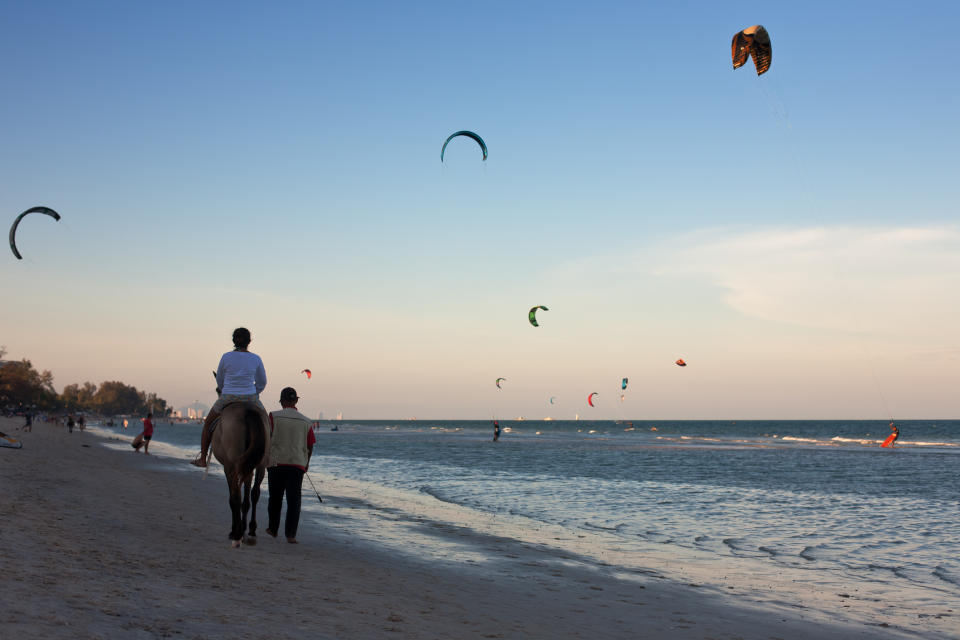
102	543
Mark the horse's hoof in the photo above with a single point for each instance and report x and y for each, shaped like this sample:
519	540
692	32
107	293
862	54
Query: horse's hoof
235	544
251	541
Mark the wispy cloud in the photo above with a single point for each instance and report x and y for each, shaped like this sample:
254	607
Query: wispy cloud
887	280
884	280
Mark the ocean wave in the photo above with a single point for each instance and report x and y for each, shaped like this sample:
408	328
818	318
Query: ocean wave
798	439
809	552
600	527
756	493
945	574
855	440
740	547
897	571
434	493
921	443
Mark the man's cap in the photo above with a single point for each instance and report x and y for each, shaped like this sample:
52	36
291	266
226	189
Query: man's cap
289	394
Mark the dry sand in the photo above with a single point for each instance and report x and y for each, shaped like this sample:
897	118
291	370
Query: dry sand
99	543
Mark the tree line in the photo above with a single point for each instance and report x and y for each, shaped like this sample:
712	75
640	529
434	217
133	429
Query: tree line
21	384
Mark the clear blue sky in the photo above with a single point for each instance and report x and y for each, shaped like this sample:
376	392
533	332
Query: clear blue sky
288	155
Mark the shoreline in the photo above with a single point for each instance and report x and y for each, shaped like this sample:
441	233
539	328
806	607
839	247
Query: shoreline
102	543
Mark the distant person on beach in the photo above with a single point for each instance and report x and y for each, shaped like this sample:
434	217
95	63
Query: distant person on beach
240	378
496	430
70	422
291	445
125	423
81	422
28	422
147	433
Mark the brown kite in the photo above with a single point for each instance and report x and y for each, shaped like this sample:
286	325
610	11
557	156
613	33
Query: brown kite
752	41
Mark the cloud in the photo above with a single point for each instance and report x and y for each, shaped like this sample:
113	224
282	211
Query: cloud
899	281
875	280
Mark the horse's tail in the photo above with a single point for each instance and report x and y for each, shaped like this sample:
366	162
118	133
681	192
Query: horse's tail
256	444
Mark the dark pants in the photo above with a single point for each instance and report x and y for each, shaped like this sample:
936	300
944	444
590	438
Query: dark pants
282	480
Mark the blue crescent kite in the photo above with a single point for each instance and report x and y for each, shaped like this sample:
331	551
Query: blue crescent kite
469	134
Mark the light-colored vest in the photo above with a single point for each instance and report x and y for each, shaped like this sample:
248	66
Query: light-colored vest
288	444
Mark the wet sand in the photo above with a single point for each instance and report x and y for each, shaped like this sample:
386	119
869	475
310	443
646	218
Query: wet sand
101	543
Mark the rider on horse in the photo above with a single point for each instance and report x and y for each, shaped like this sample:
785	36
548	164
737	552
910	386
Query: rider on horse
240	377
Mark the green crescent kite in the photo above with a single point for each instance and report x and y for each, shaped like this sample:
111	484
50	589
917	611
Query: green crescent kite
532	316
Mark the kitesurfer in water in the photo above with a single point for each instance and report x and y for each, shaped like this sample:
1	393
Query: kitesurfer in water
496	430
240	378
895	432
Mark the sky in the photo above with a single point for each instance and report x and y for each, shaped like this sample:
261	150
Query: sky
793	237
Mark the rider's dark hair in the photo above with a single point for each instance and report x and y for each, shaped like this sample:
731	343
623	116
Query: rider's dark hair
241	338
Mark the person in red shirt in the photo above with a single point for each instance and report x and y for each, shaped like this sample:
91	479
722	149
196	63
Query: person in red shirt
147	433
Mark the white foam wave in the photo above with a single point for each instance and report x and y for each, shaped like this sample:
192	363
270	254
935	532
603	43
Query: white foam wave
856	440
921	443
121	442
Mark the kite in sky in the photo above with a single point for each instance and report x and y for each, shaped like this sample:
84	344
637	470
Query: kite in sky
590	398
498	382
532	316
752	41
681	363
308	372
469	134
13	229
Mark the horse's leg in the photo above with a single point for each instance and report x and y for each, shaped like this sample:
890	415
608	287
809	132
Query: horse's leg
246	506
236	531
257	479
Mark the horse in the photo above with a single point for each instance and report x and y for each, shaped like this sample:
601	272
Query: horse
241	442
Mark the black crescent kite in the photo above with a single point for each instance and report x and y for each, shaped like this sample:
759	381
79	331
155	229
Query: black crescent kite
13	229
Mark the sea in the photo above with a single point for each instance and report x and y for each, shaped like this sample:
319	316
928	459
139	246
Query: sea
804	513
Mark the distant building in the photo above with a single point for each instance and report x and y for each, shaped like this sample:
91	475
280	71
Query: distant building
195	411
320	417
